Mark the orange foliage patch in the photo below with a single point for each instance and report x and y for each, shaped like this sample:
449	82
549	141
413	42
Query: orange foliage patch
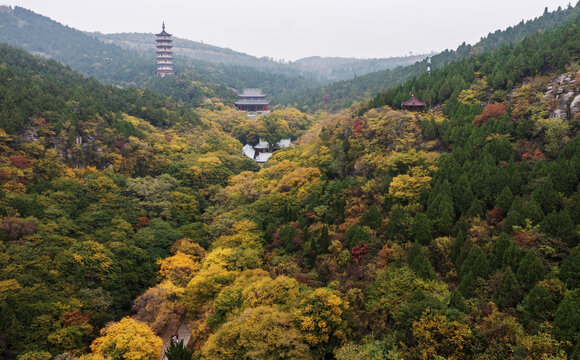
74	317
491	111
536	154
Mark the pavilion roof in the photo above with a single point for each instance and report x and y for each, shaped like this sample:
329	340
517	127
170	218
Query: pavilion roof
413	101
252	93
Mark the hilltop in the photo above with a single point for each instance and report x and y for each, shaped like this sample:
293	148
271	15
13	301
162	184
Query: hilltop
342	94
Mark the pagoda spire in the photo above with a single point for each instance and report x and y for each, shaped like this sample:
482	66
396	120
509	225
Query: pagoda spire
164	53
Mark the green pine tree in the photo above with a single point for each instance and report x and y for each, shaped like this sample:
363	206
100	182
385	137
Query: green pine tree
532	210
475	209
513	218
546	196
566	229
504	200
429	128
530	270
457	301
476	262
570	270
462	195
324	241
468	284
538	306
465	248
419	263
372	218
461	225
512	256
356	235
498	250
567	321
508	293
421	229
442	214
396	228
457	244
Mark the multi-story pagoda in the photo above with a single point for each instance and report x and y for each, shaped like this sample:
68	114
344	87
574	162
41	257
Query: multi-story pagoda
253	101
164	53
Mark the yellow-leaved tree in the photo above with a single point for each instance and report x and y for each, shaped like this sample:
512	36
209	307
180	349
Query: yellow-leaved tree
179	268
127	339
436	335
258	333
407	188
321	317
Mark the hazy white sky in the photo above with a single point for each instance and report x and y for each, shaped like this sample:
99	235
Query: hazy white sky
292	29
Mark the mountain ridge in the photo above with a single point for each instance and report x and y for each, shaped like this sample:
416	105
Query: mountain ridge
323	68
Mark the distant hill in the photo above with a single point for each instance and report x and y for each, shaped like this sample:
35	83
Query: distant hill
45	37
342	94
126	67
324	69
144	42
339	68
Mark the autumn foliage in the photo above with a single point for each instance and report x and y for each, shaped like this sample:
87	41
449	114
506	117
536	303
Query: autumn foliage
491	111
127	339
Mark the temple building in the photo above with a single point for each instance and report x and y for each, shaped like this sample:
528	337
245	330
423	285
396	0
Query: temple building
413	104
164	53
260	152
253	101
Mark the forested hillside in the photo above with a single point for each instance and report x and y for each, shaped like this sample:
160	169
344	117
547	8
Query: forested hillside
452	233
402	235
97	183
342	94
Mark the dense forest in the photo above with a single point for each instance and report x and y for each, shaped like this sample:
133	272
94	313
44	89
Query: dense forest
452	233
341	95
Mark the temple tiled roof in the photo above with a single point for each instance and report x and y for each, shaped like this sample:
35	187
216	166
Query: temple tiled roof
262	144
252	93
249	151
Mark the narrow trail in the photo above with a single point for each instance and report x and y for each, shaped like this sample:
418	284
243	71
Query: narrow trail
183	332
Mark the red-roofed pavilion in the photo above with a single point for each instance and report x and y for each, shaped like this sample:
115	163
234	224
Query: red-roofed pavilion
413	104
